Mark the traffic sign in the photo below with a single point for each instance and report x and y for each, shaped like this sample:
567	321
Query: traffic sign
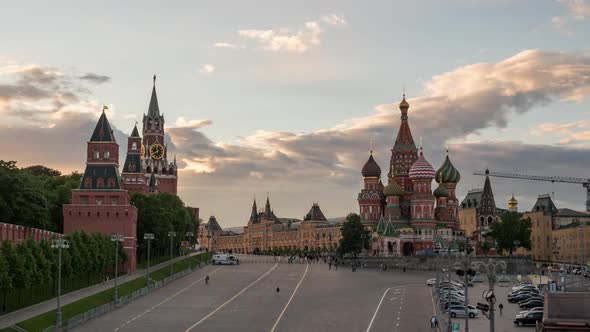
456	327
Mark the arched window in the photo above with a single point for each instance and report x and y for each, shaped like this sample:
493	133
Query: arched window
88	182
107	154
111	183
100	183
96	154
490	220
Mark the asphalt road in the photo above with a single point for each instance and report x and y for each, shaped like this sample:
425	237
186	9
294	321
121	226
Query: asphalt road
311	297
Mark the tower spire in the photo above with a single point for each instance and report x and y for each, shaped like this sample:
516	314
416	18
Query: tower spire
154	109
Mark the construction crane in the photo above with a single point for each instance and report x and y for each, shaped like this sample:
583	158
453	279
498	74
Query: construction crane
563	179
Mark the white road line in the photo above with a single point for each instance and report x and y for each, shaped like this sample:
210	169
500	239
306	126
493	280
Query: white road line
165	300
230	300
290	299
379	306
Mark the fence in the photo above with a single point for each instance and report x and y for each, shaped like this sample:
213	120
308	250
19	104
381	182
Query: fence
80	319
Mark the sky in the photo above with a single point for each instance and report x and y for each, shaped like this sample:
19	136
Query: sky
283	98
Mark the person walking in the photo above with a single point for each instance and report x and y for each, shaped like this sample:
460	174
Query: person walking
207	280
501	306
330	265
432	320
435	322
278	290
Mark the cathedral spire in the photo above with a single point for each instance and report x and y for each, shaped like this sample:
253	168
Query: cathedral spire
135	132
404	140
154	109
254	213
487	205
267	210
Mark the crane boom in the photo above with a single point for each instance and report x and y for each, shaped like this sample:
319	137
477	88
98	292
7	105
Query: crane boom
563	179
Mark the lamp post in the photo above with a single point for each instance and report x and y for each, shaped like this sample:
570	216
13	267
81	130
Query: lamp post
464	265
564	267
190	236
59	244
171	235
581	237
363	237
492	269
148	237
116	238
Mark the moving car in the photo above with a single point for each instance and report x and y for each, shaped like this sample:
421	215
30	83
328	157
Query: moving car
223	259
431	282
459	311
529	319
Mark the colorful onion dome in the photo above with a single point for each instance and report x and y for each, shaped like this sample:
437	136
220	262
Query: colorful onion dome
371	169
421	168
447	172
393	189
441	191
404	103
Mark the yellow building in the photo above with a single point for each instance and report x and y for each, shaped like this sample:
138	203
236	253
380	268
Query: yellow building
266	232
558	235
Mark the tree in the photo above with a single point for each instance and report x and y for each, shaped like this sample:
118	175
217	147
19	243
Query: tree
5	273
485	246
512	232
352	235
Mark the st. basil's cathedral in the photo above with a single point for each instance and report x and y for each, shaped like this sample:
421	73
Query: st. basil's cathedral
406	215
102	204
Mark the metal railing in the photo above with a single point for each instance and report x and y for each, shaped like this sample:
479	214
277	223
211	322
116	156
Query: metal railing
123	300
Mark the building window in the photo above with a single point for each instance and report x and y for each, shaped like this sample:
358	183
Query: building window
111	183
134	146
107	154
96	154
99	183
114	201
88	182
83	199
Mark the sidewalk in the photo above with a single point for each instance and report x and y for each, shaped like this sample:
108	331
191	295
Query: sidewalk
43	307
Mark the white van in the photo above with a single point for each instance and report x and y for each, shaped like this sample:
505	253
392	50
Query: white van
223	259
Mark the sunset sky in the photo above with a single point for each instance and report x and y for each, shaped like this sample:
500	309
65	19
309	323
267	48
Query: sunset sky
283	97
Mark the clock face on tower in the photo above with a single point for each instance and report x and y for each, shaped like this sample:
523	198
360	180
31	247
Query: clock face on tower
157	151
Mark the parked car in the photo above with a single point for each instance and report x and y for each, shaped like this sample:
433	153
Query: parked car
532	304
529	319
519	297
459	311
528	311
431	282
538	297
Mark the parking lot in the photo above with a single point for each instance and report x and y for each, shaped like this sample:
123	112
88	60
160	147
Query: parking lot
503	322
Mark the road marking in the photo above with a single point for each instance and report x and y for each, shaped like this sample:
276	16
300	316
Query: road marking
230	300
289	302
165	300
379	306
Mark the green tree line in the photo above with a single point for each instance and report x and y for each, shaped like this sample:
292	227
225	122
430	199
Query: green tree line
159	214
33	196
28	270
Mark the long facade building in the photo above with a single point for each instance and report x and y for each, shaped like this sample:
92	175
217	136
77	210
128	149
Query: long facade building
406	215
266	232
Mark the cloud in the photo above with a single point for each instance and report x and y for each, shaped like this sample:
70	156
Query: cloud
207	69
570	133
95	78
182	122
299	167
576	10
580	9
227	45
334	19
36	95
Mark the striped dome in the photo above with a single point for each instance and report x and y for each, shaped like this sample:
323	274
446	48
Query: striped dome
421	169
447	172
393	189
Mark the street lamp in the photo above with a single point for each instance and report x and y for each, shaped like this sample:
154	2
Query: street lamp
148	237
492	269
59	244
116	238
190	236
171	235
363	237
581	237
